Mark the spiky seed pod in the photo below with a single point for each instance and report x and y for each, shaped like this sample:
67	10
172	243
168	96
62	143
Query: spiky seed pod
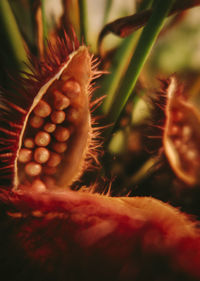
181	136
81	236
52	107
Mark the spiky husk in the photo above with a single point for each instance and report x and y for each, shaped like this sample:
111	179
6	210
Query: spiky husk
79	236
16	103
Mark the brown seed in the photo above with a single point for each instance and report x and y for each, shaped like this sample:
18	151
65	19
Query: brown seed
33	169
38	185
61	134
41	155
42	109
57	116
60	101
54	160
25	155
49	170
59	147
73	115
42	138
36	121
50	182
49	127
71	88
29	143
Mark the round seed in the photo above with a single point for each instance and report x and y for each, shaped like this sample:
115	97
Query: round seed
57	116
36	121
42	109
191	155
178	116
38	185
41	155
49	127
73	115
54	160
50	182
59	147
42	138
29	143
49	170
187	133
71	88
61	134
60	101
33	169
25	155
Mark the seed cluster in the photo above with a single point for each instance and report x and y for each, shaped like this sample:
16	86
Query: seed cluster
48	130
185	142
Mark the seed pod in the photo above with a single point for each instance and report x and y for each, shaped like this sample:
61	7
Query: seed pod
60	82
181	137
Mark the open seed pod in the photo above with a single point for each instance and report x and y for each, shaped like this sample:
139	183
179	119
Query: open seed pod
46	131
182	135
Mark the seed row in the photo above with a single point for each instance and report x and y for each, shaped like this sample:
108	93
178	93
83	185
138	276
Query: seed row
35	153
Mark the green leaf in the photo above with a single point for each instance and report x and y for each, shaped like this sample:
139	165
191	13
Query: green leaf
83	20
11	39
142	51
44	22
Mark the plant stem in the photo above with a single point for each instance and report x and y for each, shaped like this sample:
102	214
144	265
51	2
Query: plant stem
12	38
83	20
44	23
111	82
142	51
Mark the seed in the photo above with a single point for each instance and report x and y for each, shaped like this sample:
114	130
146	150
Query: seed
58	116
186	132
50	182
42	109
174	130
61	134
29	143
49	170
178	116
41	155
73	115
71	88
49	127
184	148
33	169
25	155
54	160
59	147
42	138
60	101
191	155
38	185
178	143
36	121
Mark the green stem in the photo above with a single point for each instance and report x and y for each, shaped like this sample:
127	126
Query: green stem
142	51
111	82
83	20
44	23
11	37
